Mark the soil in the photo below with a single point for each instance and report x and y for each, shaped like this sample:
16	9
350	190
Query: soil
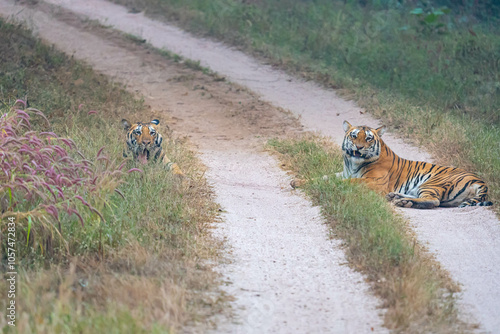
283	270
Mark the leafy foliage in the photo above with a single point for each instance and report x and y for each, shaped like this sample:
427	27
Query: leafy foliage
430	20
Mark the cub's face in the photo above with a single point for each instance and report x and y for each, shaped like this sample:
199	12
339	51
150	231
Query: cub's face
143	139
361	142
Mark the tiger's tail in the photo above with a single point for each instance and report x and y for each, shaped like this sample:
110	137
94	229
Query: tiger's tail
481	198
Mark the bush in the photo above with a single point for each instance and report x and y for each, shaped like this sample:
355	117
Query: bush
47	184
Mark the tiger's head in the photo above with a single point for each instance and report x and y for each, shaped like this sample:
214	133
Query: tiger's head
362	143
143	140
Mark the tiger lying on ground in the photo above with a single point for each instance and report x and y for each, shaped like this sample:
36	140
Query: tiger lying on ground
144	142
416	184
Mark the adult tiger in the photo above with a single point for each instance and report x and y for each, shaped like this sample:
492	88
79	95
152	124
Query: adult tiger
417	184
144	142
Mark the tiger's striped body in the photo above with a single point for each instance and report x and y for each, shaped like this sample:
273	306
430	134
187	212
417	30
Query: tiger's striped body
417	184
144	142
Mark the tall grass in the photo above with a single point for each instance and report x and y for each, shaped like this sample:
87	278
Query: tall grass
417	295
138	263
42	183
430	73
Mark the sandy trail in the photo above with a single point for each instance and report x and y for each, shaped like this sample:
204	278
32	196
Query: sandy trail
282	282
286	275
465	241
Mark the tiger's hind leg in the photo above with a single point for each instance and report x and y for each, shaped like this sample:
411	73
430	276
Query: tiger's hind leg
480	198
475	202
428	199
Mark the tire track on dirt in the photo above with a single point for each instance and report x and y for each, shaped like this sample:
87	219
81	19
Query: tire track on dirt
466	241
284	272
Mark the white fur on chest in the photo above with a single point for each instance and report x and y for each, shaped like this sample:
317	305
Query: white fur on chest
352	168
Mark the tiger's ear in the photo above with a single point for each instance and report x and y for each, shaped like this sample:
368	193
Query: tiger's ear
126	124
380	131
347	126
155	122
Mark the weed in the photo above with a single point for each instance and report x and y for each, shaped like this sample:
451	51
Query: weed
135	39
44	183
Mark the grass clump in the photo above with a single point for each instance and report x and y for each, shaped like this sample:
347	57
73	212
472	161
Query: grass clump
96	260
417	295
44	184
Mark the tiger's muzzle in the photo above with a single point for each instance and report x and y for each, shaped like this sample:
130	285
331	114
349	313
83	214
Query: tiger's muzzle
355	154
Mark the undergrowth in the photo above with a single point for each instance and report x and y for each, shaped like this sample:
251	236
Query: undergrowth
417	294
44	184
101	247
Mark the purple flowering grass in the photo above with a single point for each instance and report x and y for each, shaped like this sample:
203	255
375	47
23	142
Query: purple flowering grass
44	175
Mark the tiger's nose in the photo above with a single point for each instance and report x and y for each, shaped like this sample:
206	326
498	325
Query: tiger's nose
359	147
146	142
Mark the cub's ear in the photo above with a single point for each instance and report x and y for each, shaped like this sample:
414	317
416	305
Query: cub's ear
347	126
380	131
126	124
155	122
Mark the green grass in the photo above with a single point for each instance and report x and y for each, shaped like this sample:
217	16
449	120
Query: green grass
417	295
386	47
431	79
142	269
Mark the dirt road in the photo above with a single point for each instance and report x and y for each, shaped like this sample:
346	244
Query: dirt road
281	282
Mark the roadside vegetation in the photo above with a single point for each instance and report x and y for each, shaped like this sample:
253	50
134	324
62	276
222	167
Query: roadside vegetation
103	245
428	69
416	292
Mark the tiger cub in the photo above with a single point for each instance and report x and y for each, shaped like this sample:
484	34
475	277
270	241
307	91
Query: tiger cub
416	184
144	141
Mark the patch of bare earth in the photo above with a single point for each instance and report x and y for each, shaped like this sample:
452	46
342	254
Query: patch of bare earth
284	272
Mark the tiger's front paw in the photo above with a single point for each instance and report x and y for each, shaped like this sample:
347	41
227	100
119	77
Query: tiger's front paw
174	169
393	196
297	183
403	202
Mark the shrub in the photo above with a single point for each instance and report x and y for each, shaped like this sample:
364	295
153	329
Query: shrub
47	184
